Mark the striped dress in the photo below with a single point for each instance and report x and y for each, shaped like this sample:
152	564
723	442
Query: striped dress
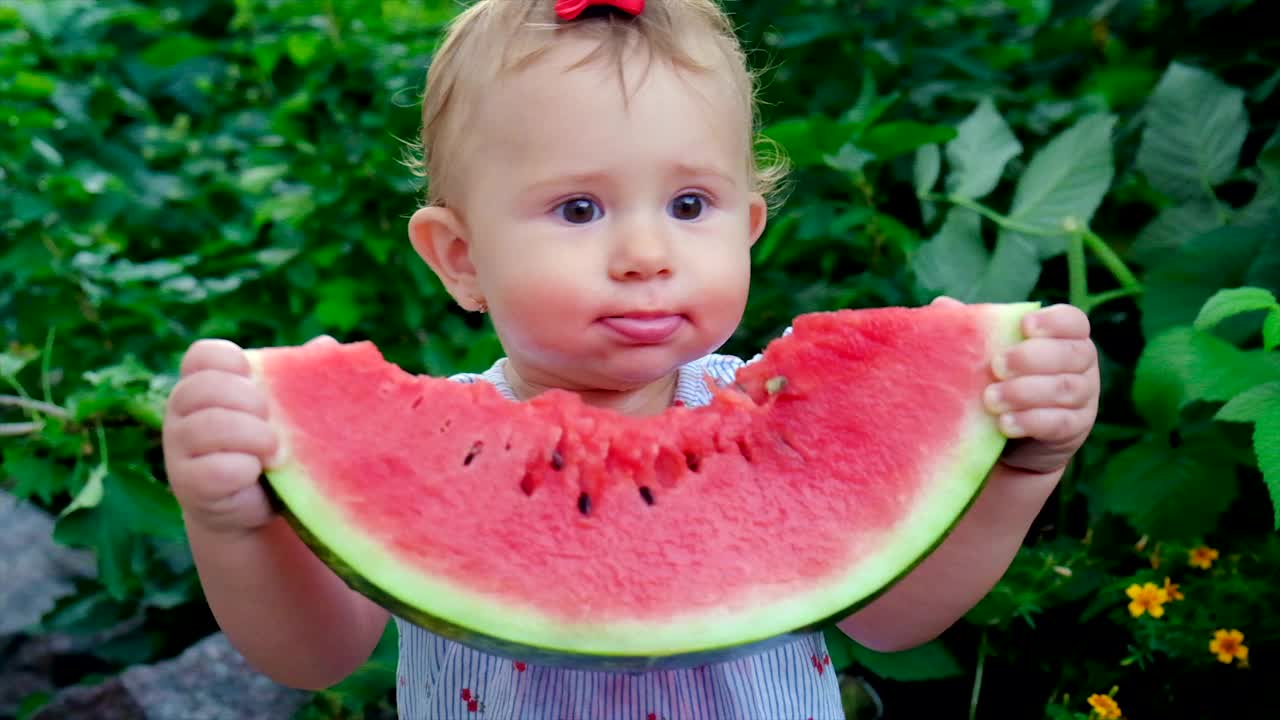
440	679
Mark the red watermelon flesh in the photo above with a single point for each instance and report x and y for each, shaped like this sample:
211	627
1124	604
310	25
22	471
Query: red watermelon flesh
561	531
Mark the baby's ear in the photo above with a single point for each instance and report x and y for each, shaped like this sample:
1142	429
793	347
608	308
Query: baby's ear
440	238
757	215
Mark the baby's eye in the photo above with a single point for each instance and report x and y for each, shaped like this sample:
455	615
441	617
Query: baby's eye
579	211
687	207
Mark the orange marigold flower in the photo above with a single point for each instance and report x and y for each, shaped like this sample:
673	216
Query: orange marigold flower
1229	645
1203	557
1171	590
1147	598
1104	706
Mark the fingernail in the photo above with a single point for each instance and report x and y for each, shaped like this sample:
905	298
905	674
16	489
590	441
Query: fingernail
1010	427
1000	366
993	400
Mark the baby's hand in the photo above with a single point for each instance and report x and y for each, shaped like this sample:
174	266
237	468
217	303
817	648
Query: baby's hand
217	440
1047	395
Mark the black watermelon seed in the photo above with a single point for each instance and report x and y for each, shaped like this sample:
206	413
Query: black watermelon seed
557	460
584	504
647	494
527	484
473	452
692	460
417	402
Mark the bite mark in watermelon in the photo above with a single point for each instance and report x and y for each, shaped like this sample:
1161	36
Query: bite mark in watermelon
555	532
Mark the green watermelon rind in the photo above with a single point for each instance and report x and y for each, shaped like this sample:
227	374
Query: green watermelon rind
498	626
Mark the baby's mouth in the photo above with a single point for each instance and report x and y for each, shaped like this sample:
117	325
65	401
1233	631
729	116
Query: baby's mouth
644	327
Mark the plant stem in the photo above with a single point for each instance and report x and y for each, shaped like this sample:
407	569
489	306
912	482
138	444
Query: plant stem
16	429
1077	273
1109	295
977	676
1111	261
35	406
44	366
993	216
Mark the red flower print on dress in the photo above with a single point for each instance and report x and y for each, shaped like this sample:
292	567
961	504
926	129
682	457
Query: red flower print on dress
520	667
472	700
820	663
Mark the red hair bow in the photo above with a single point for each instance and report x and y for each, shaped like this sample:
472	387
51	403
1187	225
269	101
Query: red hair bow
571	9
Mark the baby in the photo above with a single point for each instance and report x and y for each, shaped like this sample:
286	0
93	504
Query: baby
593	188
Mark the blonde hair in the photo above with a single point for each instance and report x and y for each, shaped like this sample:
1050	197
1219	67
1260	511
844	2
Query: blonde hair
492	37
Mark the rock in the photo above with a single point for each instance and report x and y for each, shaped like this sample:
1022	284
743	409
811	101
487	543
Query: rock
34	572
209	681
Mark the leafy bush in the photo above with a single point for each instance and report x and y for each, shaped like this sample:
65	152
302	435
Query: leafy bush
207	167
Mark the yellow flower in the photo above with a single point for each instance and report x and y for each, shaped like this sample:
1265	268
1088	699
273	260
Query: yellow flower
1147	598
1104	706
1229	645
1203	557
1171	590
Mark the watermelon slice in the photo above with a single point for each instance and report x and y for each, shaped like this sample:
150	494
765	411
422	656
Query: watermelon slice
568	535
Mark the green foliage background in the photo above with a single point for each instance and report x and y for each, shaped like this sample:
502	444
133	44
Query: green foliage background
196	168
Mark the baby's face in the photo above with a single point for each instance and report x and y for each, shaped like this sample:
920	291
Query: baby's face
611	237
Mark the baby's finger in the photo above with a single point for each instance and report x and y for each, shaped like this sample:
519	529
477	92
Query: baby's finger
216	388
214	354
1048	425
1045	356
210	479
322	340
945	300
1072	390
1057	321
218	429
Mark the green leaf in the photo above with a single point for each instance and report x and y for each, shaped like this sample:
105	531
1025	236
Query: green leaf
33	476
850	159
1196	125
1271	330
1173	228
27	84
955	262
256	180
807	140
14	358
126	505
1233	301
1266	445
1183	365
339	308
302	47
928	166
1178	283
984	144
1013	272
1066	179
91	494
892	139
1169	493
1269	158
1249	405
931	661
174	50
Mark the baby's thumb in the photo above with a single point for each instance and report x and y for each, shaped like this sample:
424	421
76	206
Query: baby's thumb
321	340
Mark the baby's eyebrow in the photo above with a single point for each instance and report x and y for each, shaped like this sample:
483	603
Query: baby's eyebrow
678	172
570	179
684	170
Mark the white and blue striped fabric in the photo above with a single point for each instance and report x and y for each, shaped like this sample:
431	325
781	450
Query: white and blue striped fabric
440	679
